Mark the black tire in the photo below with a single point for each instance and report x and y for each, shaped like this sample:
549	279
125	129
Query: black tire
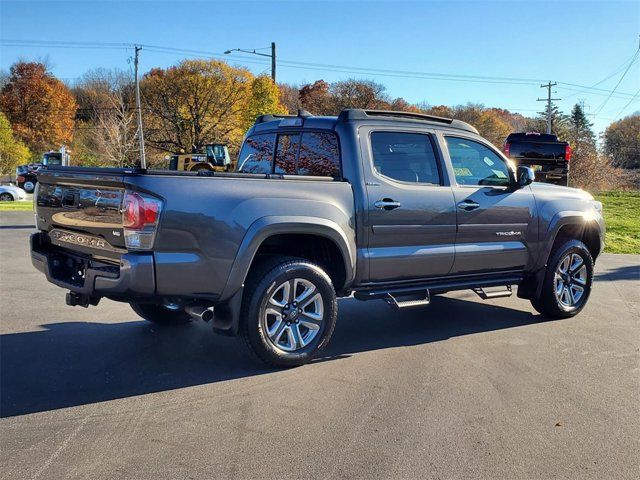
548	303
29	186
6	197
266	280
160	315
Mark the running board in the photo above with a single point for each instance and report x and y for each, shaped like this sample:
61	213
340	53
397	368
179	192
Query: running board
416	299
500	292
433	287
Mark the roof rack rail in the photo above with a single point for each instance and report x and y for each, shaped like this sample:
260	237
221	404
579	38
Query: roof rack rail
270	117
360	114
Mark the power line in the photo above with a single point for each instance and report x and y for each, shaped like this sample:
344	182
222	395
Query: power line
599	109
635	96
310	65
611	75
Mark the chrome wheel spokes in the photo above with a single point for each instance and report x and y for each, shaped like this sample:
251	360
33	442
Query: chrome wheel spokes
293	314
570	280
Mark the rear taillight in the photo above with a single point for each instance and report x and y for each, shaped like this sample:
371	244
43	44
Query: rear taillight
567	152
507	148
20	179
140	214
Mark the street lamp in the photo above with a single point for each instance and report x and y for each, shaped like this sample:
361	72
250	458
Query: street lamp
272	55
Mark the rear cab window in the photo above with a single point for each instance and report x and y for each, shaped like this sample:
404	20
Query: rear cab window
256	155
407	157
309	153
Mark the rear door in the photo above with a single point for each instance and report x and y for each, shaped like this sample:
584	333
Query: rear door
497	225
410	216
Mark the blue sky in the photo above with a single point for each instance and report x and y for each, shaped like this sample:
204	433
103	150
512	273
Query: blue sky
565	41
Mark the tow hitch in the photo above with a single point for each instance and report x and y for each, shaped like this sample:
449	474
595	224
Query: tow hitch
78	300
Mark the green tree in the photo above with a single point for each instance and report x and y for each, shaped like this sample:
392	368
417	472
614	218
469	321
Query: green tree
579	133
559	122
12	151
264	97
622	141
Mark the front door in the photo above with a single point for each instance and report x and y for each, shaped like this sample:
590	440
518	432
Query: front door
497	225
410	215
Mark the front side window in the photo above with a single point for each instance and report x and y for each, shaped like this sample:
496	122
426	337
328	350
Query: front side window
319	155
286	154
476	164
406	157
256	155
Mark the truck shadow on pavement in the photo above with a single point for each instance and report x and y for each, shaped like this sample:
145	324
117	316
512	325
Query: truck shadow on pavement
77	363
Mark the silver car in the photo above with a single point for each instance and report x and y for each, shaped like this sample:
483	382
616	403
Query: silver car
9	193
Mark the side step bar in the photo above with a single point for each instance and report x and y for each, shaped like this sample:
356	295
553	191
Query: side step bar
417	299
485	294
422	291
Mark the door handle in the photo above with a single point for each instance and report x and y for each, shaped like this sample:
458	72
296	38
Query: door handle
468	205
387	204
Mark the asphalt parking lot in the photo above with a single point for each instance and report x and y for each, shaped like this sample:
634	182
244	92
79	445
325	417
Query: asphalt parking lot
463	388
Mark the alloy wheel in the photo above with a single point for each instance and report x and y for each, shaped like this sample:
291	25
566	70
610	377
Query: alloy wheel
293	315
570	281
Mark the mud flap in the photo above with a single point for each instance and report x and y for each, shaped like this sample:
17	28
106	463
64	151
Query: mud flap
226	316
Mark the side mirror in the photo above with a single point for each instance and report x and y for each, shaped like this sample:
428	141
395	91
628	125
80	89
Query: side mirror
525	176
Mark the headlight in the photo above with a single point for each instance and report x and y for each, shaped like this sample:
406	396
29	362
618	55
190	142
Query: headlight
597	206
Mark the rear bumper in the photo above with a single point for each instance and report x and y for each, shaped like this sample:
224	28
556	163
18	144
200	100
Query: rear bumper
133	277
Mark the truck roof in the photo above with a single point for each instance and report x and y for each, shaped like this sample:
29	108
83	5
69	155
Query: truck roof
305	119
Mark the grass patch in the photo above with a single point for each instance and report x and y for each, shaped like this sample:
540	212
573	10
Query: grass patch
622	216
26	206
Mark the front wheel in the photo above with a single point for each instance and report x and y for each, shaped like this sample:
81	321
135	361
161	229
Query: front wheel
6	197
29	186
289	311
159	314
567	282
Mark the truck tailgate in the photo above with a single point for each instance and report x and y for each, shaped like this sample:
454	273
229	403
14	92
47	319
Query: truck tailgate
542	152
81	211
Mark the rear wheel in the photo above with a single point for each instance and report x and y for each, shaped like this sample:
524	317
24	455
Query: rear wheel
160	314
567	282
289	311
6	197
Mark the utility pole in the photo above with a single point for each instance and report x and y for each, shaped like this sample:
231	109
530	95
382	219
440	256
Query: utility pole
548	100
143	160
273	61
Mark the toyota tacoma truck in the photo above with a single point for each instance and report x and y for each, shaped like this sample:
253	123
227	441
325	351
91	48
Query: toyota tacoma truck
375	204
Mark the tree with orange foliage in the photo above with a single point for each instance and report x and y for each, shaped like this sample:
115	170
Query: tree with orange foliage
40	107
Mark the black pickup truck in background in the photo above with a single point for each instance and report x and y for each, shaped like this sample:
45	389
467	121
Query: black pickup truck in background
547	156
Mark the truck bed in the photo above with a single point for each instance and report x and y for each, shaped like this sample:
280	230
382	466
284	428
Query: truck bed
202	225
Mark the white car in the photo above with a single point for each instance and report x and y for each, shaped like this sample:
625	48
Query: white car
9	193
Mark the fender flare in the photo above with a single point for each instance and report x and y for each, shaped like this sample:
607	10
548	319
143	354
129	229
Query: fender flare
268	226
559	220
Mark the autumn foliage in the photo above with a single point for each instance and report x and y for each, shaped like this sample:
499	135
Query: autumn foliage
40	107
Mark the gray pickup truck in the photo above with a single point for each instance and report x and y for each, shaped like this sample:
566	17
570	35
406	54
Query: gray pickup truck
375	204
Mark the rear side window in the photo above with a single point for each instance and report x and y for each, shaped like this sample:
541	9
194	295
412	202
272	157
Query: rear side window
319	155
286	154
256	155
406	157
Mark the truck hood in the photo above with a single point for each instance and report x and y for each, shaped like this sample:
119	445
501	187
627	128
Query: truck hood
550	190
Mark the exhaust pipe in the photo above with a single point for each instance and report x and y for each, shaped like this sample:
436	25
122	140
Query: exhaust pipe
198	312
